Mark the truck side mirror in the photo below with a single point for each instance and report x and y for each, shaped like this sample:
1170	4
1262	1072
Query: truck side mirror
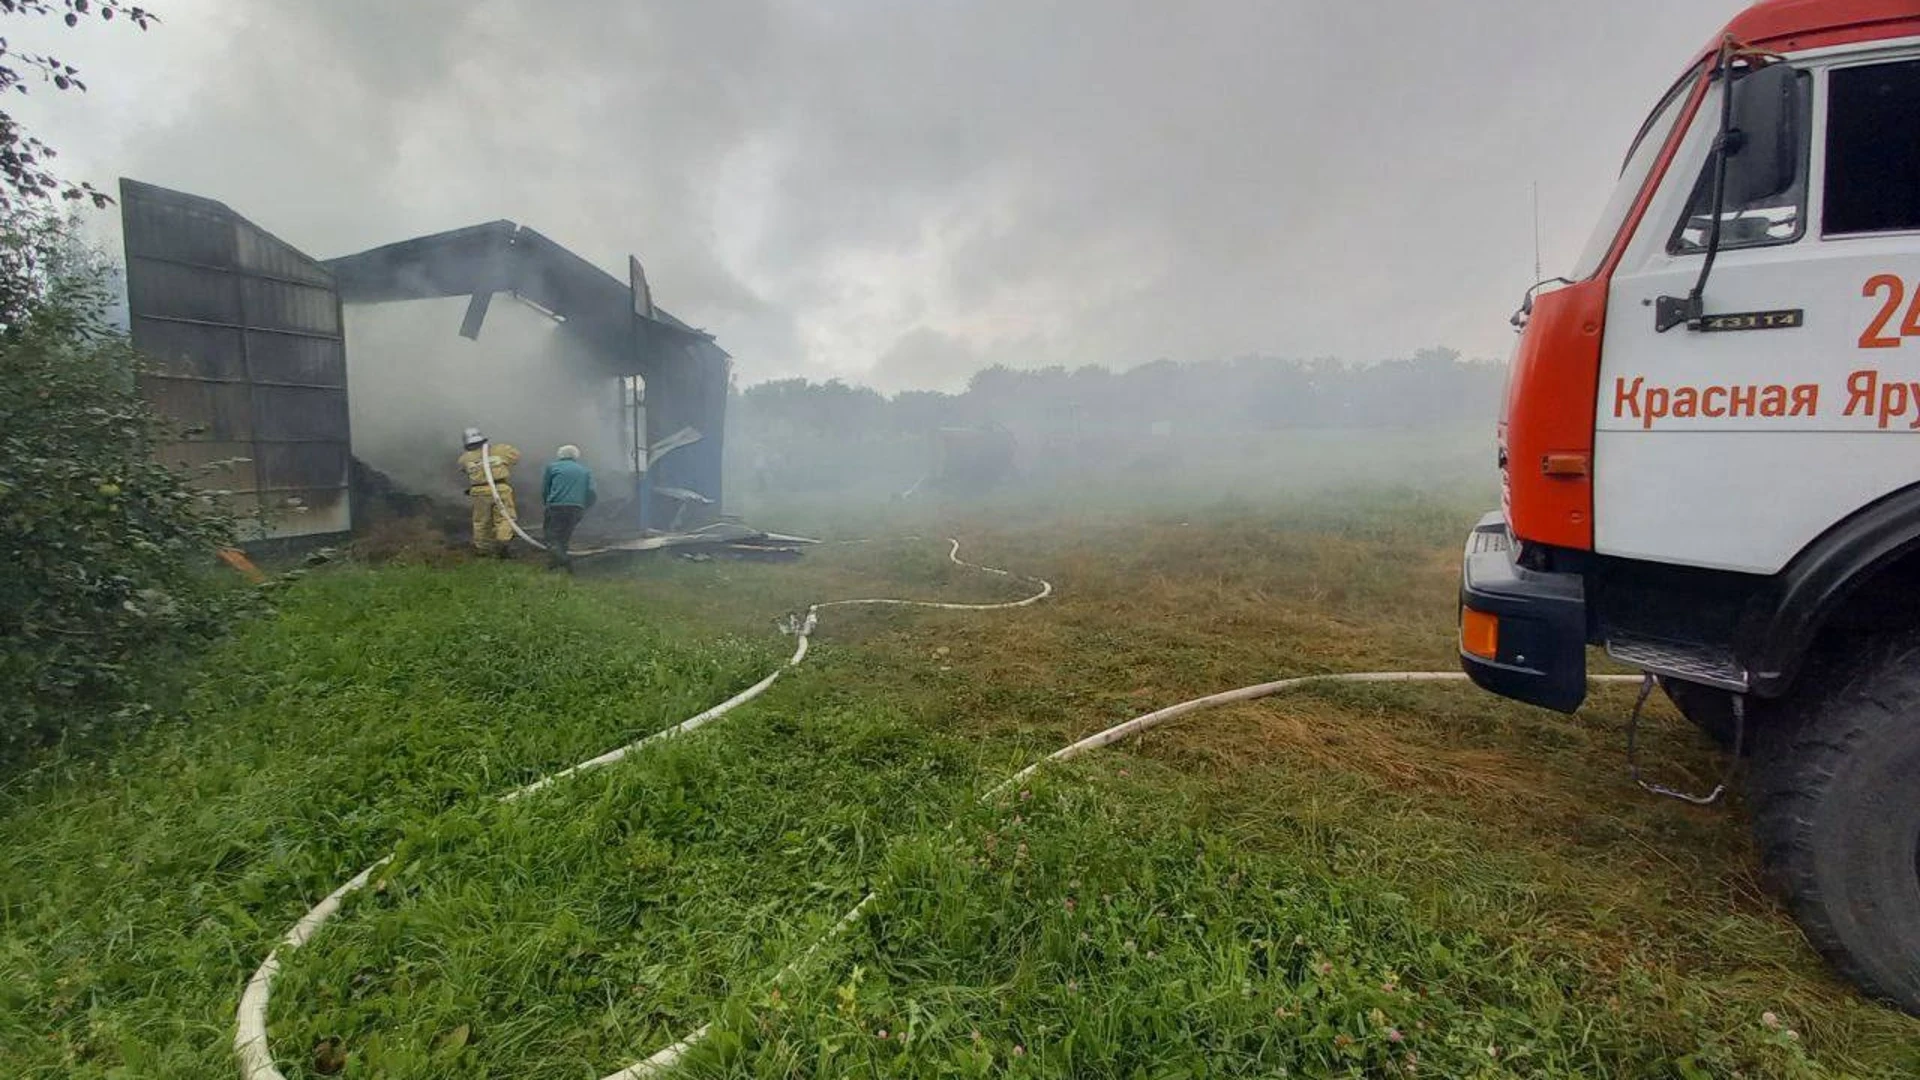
1763	147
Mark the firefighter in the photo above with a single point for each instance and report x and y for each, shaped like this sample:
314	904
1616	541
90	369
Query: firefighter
492	519
566	488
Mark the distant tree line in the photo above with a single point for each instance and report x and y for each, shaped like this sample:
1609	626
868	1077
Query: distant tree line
1434	388
804	431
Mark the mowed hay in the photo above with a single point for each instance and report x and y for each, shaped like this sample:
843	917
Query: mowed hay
1315	734
408	541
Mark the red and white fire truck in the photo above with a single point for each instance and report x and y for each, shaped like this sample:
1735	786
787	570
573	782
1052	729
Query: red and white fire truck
1710	456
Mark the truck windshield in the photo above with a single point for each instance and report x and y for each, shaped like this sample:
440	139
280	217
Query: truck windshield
1646	150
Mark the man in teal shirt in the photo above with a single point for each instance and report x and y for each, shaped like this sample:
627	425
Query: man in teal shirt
566	489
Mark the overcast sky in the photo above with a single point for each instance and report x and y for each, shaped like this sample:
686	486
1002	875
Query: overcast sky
899	192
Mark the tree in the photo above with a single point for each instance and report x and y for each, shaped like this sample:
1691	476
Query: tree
105	552
25	171
104	548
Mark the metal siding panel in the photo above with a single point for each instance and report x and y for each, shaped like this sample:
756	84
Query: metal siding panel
221	465
298	414
294	358
170	290
314	512
298	466
209	411
191	350
258	252
226	311
184	233
278	305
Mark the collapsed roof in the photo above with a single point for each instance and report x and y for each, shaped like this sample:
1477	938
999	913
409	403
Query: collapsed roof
251	351
686	372
500	256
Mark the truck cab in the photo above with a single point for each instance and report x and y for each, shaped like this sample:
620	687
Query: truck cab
1710	455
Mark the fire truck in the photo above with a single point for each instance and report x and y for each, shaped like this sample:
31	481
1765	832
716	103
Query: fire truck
1710	457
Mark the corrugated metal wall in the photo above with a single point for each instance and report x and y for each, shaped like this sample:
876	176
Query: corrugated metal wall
246	335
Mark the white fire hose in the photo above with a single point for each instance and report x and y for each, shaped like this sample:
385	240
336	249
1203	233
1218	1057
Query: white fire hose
486	464
250	1032
664	1060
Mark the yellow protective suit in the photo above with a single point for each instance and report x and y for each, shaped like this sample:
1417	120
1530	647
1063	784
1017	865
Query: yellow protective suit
491	530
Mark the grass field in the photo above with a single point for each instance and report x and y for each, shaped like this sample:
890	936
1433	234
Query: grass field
1351	881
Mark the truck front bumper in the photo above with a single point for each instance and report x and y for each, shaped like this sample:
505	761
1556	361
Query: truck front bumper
1523	633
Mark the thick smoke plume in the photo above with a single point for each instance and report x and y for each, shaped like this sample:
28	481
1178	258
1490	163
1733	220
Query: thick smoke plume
904	193
415	384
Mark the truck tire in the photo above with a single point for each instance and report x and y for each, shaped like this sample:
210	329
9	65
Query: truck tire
1837	815
1709	709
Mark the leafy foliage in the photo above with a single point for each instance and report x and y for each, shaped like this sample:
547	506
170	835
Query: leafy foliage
102	572
24	171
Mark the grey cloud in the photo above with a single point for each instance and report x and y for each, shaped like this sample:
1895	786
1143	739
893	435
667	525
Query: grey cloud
874	189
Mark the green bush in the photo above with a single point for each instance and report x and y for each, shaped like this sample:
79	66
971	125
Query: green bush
105	552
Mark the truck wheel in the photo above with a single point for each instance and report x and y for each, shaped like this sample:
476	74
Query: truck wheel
1837	815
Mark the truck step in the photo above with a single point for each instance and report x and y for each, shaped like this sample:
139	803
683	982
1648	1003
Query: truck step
1704	664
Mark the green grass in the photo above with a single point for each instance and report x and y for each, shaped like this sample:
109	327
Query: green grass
592	924
141	887
1106	928
1274	889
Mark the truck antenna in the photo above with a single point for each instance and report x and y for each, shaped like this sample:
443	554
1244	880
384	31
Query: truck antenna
1536	230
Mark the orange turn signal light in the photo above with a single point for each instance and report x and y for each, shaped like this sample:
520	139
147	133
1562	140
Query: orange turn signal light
1565	465
1479	633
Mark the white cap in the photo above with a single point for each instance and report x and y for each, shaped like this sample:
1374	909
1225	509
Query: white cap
473	437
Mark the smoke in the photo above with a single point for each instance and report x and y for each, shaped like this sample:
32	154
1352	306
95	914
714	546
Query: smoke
926	359
1158	434
902	194
414	384
1085	181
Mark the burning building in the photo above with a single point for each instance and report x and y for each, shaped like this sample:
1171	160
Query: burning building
283	368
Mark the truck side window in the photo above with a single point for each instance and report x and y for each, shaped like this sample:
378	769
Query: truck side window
1779	218
1873	156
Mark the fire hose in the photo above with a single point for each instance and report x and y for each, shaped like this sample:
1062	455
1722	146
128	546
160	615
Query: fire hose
486	465
250	1032
664	1060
